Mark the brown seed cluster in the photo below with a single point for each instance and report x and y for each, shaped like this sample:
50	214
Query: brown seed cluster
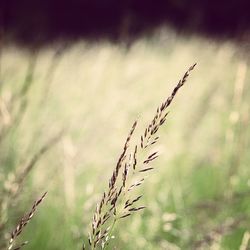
22	223
118	202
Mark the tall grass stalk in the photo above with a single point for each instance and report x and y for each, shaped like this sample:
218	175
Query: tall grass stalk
119	201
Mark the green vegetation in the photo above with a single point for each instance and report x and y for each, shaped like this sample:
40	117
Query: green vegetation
198	195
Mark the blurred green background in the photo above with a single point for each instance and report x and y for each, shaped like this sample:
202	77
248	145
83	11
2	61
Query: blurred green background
198	197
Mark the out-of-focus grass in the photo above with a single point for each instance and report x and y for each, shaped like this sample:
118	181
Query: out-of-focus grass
96	91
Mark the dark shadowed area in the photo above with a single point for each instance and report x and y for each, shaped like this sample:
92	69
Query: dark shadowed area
41	21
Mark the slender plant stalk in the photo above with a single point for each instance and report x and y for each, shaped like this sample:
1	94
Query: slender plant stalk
119	202
22	223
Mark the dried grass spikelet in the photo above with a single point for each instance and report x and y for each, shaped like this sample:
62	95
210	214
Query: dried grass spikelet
13	183
118	202
22	223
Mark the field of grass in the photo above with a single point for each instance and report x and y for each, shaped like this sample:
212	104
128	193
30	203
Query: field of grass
198	196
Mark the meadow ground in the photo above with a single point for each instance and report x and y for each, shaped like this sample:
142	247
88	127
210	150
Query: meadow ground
198	196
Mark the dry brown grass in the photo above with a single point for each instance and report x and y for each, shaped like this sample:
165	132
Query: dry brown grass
119	201
13	107
22	223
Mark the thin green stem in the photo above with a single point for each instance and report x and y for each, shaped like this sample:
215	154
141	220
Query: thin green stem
110	231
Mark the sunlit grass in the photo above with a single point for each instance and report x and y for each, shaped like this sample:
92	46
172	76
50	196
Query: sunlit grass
96	91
